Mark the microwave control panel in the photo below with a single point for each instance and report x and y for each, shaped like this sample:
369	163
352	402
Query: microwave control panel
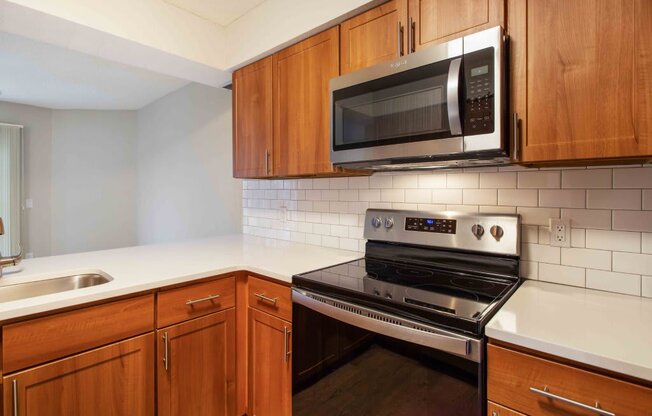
433	225
479	114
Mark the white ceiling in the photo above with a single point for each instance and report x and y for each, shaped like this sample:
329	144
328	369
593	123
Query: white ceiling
44	75
222	12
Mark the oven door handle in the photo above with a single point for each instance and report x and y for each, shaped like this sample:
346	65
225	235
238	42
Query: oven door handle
453	96
390	325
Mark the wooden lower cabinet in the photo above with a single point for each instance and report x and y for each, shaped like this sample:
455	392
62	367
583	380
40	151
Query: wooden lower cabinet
270	365
197	366
494	409
117	379
527	383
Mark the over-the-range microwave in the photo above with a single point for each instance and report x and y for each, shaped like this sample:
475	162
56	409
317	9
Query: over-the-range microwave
441	106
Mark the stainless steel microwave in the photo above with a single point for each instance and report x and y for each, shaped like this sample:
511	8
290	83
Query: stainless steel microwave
441	106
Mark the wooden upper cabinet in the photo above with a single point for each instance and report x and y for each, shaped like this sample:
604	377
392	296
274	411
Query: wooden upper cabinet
252	120
114	380
270	365
374	36
196	372
582	83
302	105
437	21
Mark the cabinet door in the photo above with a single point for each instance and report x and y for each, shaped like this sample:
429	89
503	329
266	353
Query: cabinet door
582	84
252	120
270	365
373	37
437	21
196	370
114	380
302	105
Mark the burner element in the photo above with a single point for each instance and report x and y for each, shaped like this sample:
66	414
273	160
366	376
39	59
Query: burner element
413	273
472	283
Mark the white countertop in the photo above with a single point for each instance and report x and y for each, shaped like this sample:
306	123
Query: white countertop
601	329
141	268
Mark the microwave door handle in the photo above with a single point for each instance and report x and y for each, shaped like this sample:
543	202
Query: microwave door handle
453	96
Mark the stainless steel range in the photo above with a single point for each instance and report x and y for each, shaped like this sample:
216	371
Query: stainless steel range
401	331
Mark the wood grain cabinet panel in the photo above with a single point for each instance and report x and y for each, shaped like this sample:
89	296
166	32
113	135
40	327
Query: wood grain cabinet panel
494	409
114	380
181	304
302	105
44	339
270	297
511	374
253	142
376	36
581	78
437	21
270	365
197	368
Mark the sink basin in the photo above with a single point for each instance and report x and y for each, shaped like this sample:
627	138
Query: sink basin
49	286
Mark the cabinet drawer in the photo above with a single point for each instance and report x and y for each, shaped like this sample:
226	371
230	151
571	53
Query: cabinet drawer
273	298
36	341
494	409
511	375
177	305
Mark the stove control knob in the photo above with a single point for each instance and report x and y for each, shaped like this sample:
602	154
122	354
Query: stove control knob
376	292
389	223
477	230
388	295
376	222
497	232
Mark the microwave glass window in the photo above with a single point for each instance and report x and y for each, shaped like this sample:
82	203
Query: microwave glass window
405	107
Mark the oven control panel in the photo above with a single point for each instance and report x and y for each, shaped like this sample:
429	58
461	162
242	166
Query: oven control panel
431	225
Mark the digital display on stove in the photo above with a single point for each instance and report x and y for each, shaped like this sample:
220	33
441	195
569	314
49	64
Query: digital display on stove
431	225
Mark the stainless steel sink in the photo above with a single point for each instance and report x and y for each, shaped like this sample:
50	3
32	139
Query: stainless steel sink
49	286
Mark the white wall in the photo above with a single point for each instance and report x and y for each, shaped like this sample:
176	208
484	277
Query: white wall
185	184
93	180
37	139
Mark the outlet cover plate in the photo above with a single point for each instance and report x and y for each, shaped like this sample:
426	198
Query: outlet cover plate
560	232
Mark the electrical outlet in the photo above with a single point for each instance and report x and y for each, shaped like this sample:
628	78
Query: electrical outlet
560	232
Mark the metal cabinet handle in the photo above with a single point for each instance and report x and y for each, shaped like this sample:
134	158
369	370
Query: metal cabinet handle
400	50
14	396
266	162
286	353
594	409
166	359
210	297
262	296
412	34
515	136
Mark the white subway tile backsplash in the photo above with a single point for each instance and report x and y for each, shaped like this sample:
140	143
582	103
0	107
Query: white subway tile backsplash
588	218
462	180
632	220
632	263
633	178
498	180
430	181
479	196
518	197
586	179
584	257
614	240
565	198
447	196
611	229
613	199
646	286
539	179
629	284
574	276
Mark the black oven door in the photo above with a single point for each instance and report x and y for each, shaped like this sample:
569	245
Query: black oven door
342	369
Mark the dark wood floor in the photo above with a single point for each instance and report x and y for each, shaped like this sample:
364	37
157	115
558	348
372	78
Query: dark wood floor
380	382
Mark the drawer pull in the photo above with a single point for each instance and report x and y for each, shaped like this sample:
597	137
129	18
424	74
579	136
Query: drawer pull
262	296
193	301
595	409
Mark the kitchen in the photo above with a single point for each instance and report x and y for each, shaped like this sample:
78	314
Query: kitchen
424	207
